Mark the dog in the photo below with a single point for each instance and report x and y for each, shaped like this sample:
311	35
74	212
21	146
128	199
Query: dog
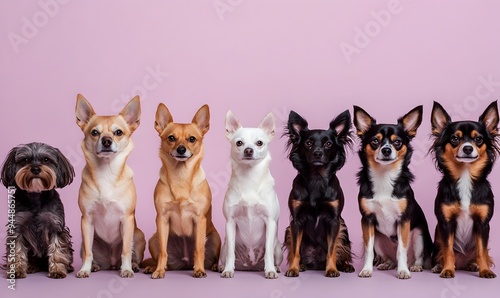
464	152
107	195
185	236
251	206
317	236
37	230
393	223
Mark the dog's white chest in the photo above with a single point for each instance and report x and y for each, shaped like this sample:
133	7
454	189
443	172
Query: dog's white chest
250	223
463	234
386	208
107	220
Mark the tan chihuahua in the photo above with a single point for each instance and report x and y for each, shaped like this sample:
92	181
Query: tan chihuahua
107	194
185	236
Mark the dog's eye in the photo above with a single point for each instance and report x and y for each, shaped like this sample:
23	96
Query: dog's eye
118	132
45	159
309	143
239	143
260	143
94	132
171	138
375	142
454	140
192	139
328	145
26	160
479	140
397	144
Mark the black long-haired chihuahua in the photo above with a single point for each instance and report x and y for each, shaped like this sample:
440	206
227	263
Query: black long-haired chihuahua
464	152
394	226
317	237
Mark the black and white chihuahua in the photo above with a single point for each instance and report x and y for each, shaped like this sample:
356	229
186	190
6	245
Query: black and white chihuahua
464	152
317	237
393	224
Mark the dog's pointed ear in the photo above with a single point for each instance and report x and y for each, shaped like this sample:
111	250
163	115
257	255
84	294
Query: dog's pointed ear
490	118
163	118
83	111
232	124
411	121
362	121
8	175
439	119
65	171
267	124
132	112
202	119
341	124
296	124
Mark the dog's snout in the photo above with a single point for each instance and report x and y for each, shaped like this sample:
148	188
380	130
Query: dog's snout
318	153
106	142
181	150
386	151
36	170
248	152
468	149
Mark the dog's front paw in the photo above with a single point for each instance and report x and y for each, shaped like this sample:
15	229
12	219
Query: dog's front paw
487	274
348	268
135	267
33	269
447	273
57	274
473	267
365	273
158	273
227	274
83	274
271	274
215	268
126	273
292	273
437	269
149	269
416	268
21	274
404	274
388	265
277	268
199	274
96	268
332	273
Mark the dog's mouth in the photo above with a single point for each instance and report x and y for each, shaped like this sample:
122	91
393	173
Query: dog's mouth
466	159
385	161
318	163
105	152
179	157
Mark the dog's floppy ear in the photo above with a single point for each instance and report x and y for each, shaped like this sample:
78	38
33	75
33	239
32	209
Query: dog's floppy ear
132	113
267	124
439	119
341	124
202	119
411	121
83	111
163	117
490	118
8	176
296	124
362	121
65	171
232	124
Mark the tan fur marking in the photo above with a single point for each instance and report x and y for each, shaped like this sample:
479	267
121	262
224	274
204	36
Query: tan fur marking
334	204
296	204
368	231
449	156
294	255
405	233
364	207
480	211
450	211
449	255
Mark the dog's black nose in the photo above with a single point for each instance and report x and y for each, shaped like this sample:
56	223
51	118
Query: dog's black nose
248	152
386	151
106	142
318	154
36	170
181	150
468	149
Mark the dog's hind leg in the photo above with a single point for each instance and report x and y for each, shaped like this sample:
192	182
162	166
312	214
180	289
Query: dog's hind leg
278	254
418	250
212	251
139	245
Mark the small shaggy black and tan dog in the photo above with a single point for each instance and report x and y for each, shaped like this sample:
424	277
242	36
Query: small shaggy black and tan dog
464	152
317	237
42	240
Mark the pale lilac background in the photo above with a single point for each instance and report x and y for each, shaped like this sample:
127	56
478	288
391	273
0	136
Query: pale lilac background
255	57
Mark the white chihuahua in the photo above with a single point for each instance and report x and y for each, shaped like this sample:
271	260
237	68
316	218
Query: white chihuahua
251	206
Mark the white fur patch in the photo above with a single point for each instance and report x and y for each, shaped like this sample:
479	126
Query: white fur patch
463	234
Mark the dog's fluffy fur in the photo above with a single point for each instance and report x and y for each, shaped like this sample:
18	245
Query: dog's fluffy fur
464	152
251	206
186	236
42	242
107	195
317	237
394	225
